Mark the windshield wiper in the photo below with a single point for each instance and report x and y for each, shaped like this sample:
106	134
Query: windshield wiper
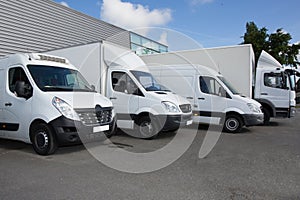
56	88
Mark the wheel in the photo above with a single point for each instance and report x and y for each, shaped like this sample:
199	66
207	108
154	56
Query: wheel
112	131
43	139
147	128
267	116
233	123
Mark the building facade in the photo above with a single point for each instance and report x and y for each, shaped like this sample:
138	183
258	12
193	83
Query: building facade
43	25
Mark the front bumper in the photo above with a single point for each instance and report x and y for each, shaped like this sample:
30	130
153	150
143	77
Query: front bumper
173	122
75	132
292	111
253	119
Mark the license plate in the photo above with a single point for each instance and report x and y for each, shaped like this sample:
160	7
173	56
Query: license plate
100	128
189	122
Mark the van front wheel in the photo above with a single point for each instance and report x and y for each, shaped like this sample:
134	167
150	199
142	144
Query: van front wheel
43	139
233	124
147	128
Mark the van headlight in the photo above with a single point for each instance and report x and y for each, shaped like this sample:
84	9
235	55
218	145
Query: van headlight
254	108
170	107
65	109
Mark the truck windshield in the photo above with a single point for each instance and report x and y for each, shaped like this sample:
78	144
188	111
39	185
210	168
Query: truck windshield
148	82
49	78
228	85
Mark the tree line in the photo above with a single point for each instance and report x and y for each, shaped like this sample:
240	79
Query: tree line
277	44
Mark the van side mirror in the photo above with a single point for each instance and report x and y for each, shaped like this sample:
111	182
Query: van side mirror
222	92
138	92
23	90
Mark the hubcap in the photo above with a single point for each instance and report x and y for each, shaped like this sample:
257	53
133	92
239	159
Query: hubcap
42	140
232	124
146	129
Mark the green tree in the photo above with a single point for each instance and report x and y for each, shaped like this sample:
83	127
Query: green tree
277	44
256	37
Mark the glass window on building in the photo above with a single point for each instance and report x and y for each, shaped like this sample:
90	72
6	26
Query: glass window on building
142	45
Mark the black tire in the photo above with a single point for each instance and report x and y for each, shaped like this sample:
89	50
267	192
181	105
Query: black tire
147	128
112	131
233	124
267	116
43	139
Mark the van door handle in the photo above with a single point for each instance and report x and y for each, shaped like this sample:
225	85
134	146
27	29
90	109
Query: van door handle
8	104
190	98
264	93
113	98
201	98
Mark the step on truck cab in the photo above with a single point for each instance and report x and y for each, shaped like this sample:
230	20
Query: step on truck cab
45	101
213	98
142	105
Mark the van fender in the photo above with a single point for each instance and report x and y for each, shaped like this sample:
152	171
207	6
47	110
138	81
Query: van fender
40	118
152	110
234	109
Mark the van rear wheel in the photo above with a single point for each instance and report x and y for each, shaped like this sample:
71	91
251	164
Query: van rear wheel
43	139
233	124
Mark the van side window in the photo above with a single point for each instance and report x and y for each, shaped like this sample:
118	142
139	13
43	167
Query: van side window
274	80
16	74
121	82
210	85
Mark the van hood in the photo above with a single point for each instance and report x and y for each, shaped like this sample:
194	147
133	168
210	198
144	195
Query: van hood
248	100
169	96
83	99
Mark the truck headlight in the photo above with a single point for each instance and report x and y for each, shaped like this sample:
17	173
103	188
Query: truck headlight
65	109
254	108
170	107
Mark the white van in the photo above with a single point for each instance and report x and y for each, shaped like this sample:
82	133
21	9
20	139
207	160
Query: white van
141	104
214	100
44	100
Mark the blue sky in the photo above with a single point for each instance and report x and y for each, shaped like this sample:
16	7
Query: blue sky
211	23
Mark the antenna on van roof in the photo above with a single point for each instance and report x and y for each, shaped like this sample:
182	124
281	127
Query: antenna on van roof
219	68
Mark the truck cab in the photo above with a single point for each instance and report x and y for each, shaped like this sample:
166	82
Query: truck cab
45	101
274	88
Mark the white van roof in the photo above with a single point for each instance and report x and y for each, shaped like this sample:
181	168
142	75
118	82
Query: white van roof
36	58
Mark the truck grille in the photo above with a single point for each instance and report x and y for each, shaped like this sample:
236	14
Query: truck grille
186	108
97	116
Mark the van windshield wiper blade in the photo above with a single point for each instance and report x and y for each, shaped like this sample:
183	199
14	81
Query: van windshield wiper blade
56	88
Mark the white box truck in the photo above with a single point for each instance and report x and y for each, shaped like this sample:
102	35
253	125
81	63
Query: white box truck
237	64
214	100
44	100
141	104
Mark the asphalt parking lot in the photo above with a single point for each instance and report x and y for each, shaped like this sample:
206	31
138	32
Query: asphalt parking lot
262	162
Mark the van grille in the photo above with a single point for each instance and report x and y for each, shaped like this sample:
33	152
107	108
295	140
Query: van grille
186	108
98	116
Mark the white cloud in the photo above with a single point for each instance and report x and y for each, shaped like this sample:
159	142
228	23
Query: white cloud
65	4
196	2
132	16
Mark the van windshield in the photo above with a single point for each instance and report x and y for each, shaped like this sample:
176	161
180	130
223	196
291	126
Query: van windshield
148	82
228	85
49	78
